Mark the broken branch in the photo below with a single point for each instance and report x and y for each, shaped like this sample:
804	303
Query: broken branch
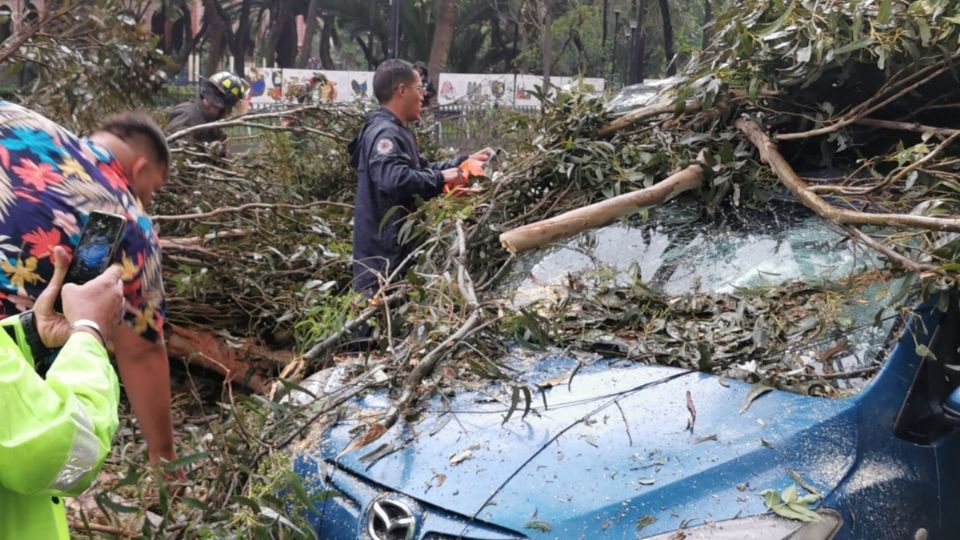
643	113
249	206
840	216
537	234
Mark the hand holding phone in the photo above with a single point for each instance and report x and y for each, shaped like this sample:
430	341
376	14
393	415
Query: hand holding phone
98	243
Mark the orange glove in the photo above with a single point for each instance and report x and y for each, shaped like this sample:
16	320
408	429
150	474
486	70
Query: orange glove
469	168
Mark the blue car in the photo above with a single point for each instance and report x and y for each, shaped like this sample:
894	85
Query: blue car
615	448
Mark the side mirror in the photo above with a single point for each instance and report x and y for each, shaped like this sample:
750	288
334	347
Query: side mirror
951	406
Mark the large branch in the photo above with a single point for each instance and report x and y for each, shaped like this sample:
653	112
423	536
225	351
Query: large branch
863	110
841	216
598	214
235	363
245	120
638	115
906	126
248	206
667	107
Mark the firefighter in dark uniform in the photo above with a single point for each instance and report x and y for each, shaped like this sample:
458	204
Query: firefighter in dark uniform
392	176
217	98
429	92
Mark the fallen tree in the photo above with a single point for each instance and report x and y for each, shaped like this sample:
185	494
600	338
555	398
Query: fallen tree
865	92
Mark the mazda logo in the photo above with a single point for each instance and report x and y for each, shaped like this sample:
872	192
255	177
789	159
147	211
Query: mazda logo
391	519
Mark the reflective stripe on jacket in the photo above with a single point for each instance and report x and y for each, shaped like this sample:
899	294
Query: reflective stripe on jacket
55	432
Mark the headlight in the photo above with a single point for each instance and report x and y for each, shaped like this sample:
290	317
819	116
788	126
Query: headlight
766	527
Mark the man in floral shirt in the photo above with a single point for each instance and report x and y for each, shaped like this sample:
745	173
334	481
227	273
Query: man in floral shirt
50	181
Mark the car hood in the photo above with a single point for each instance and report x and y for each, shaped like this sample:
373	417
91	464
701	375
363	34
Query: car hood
618	446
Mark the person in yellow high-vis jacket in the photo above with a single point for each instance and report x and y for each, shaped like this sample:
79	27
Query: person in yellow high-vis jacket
55	433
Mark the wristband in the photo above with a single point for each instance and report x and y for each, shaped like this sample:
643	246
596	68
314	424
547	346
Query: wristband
32	336
86	323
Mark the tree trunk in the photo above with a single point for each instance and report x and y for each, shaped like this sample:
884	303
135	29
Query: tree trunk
287	48
241	38
707	19
546	41
641	66
279	20
189	42
367	53
570	223
327	36
668	38
216	40
236	364
313	12
442	38
524	66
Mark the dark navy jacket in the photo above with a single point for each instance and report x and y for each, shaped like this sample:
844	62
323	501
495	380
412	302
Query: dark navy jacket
391	173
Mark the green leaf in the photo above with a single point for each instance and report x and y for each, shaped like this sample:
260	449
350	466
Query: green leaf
393	210
105	500
131	479
754	86
924	32
789	494
854	45
537	525
293	479
756	391
195	503
885	11
805	513
924	352
514	401
186	461
248	502
787	504
527	401
645	522
773	27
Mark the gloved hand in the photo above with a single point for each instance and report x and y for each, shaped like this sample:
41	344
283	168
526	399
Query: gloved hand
458	185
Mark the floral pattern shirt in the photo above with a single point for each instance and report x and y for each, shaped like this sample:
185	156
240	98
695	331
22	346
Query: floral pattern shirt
50	181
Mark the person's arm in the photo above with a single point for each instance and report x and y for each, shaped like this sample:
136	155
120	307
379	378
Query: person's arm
448	164
482	155
145	372
391	171
178	118
56	432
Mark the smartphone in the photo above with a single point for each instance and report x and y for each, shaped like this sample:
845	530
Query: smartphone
98	242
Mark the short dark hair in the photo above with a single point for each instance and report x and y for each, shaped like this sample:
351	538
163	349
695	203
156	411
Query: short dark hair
132	125
391	73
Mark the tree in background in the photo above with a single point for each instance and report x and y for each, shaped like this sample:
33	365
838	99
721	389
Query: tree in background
442	39
526	36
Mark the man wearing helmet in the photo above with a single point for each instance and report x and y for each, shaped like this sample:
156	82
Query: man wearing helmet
217	98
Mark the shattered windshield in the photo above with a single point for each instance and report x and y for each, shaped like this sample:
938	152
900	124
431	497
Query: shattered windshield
777	295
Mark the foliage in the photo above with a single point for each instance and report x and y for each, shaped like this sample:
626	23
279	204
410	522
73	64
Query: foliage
791	505
258	273
227	482
91	61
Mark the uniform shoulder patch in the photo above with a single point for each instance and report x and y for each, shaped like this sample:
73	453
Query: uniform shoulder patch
384	146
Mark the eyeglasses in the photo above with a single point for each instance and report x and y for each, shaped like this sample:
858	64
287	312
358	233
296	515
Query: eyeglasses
418	88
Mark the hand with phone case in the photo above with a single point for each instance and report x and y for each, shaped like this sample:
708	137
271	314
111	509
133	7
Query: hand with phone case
99	300
98	242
